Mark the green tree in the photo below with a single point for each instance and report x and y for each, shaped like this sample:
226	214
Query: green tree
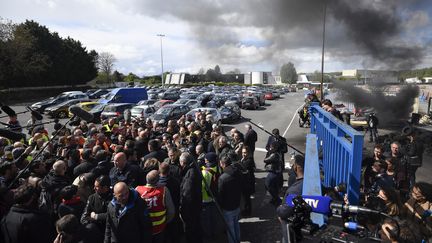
34	56
131	77
288	73
117	76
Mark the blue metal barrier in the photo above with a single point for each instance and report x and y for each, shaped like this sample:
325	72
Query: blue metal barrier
341	148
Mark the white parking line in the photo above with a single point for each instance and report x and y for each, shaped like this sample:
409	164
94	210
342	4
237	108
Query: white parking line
294	116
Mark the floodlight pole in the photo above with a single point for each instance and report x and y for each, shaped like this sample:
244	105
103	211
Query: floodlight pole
322	56
161	35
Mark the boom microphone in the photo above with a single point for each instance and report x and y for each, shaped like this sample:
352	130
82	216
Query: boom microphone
35	114
14	136
79	112
324	205
8	110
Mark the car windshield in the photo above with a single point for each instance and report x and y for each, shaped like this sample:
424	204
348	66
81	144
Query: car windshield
136	110
225	110
111	108
97	108
181	102
110	96
164	111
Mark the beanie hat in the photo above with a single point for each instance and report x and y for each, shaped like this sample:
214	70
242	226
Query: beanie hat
211	157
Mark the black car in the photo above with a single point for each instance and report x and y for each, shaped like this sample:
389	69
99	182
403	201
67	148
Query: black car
42	105
115	110
230	113
62	110
170	112
169	95
250	102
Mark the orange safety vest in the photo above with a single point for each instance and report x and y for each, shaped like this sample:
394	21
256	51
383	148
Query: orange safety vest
155	199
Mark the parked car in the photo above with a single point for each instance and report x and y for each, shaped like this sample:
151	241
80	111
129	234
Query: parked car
96	112
52	101
115	110
233	100
61	110
162	103
169	95
98	93
217	116
142	111
189	102
124	95
146	102
250	102
230	113
269	96
170	112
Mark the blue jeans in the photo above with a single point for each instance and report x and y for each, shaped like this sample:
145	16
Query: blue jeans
232	219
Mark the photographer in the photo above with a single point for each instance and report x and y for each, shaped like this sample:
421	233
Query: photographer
414	152
273	166
418	207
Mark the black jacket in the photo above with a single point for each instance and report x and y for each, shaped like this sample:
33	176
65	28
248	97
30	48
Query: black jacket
274	162
160	155
22	225
248	169
52	184
84	167
98	204
173	186
250	139
190	189
129	175
132	225
229	186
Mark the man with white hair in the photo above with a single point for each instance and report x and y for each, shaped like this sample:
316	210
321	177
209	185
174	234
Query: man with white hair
190	198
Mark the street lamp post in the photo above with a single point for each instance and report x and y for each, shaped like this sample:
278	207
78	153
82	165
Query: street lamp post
322	57
161	35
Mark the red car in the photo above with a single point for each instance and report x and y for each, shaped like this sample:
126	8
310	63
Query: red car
269	96
162	103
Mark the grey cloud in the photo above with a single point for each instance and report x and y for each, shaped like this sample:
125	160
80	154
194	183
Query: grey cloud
369	28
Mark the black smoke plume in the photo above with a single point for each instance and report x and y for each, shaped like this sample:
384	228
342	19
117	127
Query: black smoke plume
373	31
388	108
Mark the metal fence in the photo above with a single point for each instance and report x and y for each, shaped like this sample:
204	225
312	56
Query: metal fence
340	148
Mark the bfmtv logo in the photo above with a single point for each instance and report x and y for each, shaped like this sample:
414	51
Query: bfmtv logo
312	202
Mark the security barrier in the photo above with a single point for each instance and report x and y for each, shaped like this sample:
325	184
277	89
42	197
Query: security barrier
340	148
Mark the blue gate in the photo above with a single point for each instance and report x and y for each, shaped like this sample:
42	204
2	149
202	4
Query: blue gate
340	147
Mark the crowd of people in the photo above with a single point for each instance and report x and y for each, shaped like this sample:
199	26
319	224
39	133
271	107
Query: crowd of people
126	181
183	181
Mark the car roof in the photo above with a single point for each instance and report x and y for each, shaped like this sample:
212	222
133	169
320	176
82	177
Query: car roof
173	105
142	106
119	104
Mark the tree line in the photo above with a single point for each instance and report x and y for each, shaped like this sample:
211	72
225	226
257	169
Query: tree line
31	55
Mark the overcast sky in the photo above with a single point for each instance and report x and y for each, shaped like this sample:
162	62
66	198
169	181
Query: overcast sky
251	35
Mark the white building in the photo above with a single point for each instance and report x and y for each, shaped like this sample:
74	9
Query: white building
368	76
261	78
175	78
